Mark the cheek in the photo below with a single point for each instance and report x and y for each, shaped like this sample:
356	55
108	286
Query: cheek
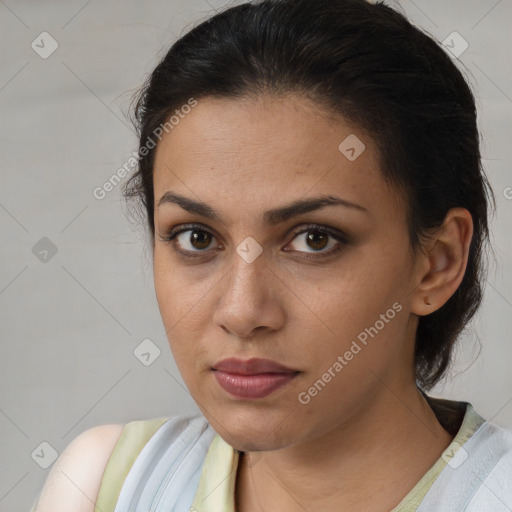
353	296
178	305
349	367
358	313
178	297
166	292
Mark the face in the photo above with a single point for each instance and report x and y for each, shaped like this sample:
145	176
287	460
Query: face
322	289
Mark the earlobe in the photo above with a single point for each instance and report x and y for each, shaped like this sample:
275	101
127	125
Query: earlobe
445	262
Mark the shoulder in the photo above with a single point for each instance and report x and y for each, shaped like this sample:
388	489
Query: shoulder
500	442
495	437
490	470
477	478
174	453
93	467
75	478
488	451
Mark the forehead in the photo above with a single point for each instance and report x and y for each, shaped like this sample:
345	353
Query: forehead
265	149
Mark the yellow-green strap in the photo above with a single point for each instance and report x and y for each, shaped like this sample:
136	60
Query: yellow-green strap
133	438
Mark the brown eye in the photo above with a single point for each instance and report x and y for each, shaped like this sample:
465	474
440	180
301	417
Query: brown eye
316	239
193	239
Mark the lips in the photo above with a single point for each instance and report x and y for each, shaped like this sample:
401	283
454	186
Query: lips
252	379
252	366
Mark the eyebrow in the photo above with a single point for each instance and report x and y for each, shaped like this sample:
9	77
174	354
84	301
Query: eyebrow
271	217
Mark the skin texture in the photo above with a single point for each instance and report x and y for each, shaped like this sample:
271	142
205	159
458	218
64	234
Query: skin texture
74	481
352	444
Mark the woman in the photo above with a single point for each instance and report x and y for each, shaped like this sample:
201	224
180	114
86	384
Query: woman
311	178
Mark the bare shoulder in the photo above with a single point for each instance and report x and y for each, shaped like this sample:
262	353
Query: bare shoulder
75	478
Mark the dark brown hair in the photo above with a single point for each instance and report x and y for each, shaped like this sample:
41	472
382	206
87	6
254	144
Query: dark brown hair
369	64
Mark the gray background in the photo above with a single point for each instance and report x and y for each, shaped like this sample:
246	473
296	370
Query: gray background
70	323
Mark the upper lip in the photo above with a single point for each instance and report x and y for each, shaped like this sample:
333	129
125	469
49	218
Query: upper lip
252	366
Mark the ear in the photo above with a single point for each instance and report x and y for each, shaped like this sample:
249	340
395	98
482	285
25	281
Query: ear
441	269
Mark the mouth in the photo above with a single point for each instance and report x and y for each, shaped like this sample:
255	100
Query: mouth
252	379
252	386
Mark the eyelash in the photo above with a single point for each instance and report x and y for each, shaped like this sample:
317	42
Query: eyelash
337	235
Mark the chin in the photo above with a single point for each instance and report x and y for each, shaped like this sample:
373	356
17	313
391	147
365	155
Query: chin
253	441
255	431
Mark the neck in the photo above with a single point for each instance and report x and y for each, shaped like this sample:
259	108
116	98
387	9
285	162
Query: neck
370	464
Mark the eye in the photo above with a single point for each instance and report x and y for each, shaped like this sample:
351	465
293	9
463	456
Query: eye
189	239
316	237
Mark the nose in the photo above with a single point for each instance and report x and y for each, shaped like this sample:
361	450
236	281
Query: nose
249	300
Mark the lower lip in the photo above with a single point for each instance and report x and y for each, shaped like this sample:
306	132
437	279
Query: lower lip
252	386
